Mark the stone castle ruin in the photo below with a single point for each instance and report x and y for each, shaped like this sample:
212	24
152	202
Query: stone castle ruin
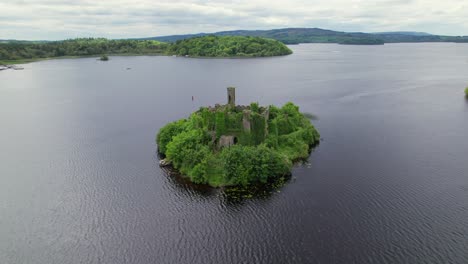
232	124
231	96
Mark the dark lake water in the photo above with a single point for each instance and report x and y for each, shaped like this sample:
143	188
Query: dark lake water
79	180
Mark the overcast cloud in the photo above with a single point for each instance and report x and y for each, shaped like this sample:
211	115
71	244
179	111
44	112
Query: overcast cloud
61	19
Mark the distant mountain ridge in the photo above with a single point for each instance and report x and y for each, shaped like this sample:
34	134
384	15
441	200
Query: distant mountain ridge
318	35
311	35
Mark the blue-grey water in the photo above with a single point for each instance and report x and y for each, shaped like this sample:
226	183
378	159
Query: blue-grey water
79	180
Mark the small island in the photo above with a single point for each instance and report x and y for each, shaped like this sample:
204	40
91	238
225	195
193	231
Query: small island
104	58
228	46
230	144
466	92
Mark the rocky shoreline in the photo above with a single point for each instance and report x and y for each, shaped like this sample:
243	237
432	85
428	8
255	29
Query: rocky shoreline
12	67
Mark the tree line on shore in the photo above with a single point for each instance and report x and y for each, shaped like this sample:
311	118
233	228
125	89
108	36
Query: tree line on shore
17	51
207	46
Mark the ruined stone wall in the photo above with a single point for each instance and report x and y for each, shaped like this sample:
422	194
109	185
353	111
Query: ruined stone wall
225	141
246	120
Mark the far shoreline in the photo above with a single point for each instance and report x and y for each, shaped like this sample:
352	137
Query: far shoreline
26	61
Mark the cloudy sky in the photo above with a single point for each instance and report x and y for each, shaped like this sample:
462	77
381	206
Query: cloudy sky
61	19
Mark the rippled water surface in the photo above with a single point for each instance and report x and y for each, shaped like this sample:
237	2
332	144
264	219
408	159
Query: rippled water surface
79	180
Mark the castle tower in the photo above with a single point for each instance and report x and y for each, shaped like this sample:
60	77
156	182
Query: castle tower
231	91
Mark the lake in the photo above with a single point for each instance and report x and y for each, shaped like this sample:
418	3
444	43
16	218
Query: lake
80	181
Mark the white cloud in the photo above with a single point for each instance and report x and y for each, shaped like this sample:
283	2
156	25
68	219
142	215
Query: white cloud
59	19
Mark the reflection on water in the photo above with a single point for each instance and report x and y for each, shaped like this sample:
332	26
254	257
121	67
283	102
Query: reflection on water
230	194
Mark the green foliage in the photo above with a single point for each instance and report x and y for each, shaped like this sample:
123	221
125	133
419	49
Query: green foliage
265	152
296	144
104	58
466	91
272	137
245	139
361	41
258	124
220	124
245	165
208	117
169	131
234	122
228	46
254	108
78	47
289	119
209	46
188	149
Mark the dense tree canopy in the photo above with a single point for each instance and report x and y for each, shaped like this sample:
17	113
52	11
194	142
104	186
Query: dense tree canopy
209	46
266	151
228	46
78	47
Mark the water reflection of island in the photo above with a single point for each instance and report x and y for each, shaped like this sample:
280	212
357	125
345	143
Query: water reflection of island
230	194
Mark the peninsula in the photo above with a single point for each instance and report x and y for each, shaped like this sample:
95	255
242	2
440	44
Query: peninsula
231	144
206	46
25	51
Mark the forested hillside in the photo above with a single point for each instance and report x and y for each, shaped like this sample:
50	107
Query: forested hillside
318	35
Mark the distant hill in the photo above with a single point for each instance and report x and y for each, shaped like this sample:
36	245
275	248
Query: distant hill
318	35
312	35
290	36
